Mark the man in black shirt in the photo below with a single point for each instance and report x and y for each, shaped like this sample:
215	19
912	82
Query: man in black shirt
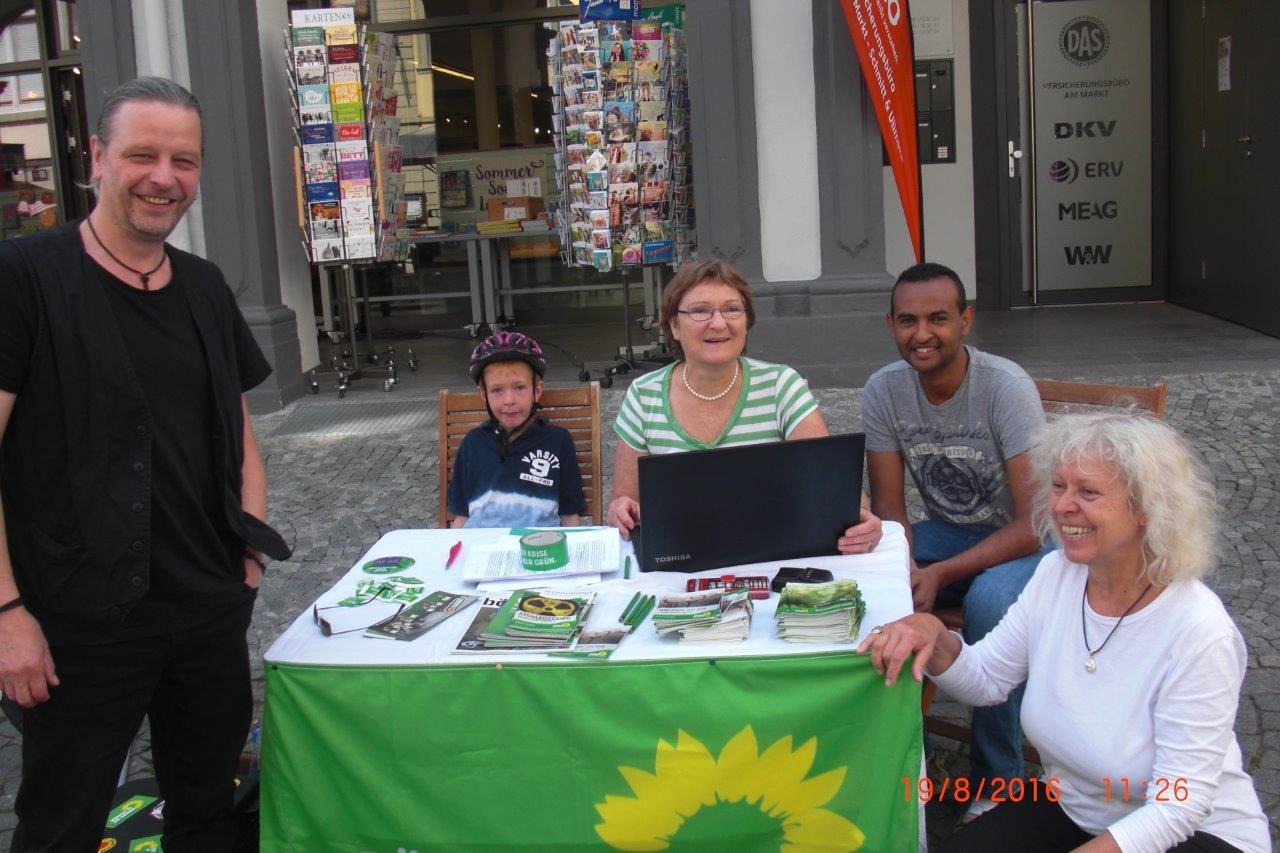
133	493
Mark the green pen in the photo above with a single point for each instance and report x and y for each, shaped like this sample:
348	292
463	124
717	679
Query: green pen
645	609
626	568
629	609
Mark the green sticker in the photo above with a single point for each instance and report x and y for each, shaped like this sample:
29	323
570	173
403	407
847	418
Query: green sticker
150	844
388	565
127	809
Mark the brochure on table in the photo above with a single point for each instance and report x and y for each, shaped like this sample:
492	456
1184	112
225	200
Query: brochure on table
348	154
881	576
620	120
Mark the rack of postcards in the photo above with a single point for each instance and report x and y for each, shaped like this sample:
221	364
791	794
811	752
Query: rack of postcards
622	154
347	157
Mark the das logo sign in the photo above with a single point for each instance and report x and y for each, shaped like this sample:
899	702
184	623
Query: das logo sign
1084	40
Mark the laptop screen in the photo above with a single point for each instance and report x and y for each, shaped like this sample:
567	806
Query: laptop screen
709	509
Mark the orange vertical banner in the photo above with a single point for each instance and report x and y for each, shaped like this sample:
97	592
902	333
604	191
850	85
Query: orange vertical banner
881	31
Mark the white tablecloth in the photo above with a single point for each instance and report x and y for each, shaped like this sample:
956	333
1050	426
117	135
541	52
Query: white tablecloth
881	575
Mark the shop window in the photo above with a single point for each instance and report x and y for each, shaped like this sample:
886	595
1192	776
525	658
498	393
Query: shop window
475	105
67	27
35	174
19	36
31	88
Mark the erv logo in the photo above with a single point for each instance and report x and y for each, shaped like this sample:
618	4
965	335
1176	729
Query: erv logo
1087	255
1083	129
1066	170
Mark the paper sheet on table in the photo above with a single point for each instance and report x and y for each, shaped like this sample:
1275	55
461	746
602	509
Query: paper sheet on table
591	552
509	584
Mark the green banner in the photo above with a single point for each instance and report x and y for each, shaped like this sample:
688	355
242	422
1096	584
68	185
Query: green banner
790	753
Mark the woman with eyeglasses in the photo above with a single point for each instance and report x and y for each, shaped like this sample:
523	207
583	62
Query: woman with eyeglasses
713	395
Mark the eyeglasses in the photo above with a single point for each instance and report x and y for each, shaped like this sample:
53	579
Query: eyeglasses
326	627
703	313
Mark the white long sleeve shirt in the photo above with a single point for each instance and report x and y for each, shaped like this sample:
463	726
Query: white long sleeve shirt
1159	710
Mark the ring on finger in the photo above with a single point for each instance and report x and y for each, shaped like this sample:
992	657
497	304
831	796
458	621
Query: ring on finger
879	629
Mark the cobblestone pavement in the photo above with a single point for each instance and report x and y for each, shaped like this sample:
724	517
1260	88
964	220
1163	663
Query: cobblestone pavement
334	497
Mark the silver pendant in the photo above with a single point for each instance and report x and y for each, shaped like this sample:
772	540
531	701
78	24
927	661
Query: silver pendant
1089	665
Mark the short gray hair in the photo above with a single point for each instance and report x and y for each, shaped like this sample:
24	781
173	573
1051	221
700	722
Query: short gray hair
145	89
1165	478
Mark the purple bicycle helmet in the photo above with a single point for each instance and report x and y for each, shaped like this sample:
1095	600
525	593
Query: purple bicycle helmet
507	346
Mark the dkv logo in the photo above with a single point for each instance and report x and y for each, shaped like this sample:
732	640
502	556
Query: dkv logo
1084	40
1083	129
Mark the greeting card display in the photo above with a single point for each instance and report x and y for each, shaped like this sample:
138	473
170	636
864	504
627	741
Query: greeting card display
624	180
350	190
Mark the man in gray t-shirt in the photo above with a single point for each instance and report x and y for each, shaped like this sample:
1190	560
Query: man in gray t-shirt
960	421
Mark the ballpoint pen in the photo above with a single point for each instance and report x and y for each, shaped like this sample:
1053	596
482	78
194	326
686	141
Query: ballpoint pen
453	555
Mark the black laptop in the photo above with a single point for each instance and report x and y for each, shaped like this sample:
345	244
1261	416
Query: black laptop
708	509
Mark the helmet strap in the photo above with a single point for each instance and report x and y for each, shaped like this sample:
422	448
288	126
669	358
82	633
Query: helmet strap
505	437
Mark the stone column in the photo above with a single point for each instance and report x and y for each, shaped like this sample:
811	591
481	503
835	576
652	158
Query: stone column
836	317
226	75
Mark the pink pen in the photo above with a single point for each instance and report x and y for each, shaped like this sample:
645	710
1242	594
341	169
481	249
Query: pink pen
453	555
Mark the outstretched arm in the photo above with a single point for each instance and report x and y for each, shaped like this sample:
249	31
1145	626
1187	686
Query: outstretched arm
624	505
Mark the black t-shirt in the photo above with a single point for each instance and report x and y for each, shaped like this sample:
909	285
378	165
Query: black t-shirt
196	570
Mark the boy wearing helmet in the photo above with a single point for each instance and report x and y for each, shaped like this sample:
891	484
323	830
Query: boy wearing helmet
515	469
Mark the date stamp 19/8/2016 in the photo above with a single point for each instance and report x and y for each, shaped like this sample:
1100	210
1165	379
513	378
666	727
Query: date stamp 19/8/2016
1013	790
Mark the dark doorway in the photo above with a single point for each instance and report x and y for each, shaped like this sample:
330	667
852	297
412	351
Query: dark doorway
1049	214
1225	154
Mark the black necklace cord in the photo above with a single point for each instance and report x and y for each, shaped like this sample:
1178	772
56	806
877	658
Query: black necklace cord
145	276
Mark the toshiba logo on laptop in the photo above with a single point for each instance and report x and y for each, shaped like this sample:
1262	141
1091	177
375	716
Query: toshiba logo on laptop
672	558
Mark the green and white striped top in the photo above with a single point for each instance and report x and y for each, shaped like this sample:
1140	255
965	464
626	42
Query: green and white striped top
776	400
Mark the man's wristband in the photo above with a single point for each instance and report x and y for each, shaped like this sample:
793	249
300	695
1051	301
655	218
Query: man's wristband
11	605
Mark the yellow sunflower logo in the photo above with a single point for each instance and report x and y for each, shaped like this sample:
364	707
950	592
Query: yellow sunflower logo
694	800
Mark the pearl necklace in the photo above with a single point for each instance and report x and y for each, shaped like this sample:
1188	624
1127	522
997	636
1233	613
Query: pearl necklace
684	377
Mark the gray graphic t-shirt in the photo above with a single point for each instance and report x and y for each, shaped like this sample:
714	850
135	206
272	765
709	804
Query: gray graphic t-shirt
956	451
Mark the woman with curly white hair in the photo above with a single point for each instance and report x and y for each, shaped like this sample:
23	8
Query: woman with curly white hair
1133	666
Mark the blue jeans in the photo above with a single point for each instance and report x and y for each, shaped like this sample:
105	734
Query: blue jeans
996	750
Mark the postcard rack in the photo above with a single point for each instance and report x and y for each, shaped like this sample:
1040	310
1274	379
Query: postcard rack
346	165
347	155
620	117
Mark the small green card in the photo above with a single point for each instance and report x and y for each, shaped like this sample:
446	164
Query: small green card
127	809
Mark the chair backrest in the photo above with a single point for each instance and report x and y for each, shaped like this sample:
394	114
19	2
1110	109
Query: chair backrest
1059	397
575	409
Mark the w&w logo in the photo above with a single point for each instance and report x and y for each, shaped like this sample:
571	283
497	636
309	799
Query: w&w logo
1085	255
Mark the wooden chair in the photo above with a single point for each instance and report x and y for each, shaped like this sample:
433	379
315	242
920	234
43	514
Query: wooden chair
1057	398
1062	397
575	409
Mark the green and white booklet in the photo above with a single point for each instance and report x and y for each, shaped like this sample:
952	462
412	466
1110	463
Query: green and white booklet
821	612
711	616
542	619
420	617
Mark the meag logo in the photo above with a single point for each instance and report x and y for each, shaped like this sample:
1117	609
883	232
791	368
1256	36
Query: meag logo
1084	40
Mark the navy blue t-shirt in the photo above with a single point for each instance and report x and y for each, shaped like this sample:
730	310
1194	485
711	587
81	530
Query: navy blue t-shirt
534	482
